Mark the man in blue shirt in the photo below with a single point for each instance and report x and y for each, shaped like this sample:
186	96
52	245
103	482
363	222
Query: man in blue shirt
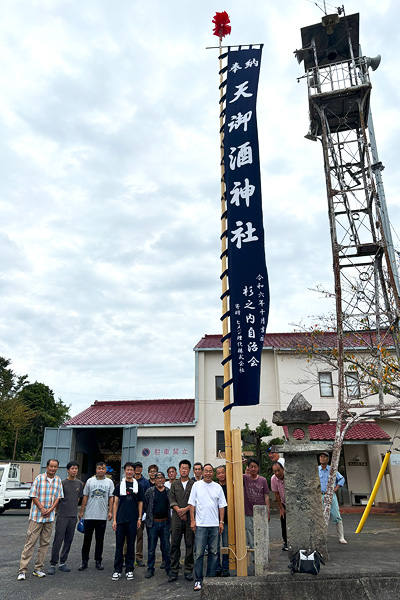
324	469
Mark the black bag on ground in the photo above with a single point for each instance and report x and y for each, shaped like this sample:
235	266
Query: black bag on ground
303	562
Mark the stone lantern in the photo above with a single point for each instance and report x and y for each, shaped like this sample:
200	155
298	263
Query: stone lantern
304	512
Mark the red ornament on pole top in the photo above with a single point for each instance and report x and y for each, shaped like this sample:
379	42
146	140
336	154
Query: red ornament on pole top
221	21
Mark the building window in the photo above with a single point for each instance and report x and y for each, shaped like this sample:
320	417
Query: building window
325	385
219	392
220	442
353	385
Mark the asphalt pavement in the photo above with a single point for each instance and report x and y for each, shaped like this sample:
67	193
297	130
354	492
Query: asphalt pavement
375	550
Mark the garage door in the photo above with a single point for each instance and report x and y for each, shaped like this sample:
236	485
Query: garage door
164	452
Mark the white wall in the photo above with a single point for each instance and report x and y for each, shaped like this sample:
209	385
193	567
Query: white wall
283	374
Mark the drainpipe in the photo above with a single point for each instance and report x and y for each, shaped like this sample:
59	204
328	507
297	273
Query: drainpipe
196	387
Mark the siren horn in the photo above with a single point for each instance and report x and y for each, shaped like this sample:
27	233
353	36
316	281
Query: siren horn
373	62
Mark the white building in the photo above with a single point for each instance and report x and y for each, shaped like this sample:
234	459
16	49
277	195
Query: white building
164	431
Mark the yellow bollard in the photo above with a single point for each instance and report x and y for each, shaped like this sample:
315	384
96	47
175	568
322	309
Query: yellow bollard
374	492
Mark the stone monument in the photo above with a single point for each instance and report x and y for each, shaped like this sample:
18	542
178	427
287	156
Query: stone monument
305	522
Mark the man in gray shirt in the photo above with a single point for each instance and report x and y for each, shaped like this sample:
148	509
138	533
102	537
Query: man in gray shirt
97	506
66	519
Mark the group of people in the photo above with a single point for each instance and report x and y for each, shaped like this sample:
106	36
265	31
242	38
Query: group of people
190	508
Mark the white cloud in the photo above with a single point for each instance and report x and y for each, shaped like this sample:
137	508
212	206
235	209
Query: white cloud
109	187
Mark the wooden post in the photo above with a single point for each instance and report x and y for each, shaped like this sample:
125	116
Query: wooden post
225	345
241	548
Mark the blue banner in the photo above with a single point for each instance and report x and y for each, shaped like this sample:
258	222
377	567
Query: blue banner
247	271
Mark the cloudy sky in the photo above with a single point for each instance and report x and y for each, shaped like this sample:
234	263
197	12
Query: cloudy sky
109	186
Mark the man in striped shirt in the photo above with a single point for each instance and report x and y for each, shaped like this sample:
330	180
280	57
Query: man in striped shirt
46	492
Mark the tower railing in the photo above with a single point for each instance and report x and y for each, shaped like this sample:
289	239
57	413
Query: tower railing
338	76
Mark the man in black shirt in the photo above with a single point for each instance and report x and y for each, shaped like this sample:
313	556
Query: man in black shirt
66	519
139	536
127	513
156	502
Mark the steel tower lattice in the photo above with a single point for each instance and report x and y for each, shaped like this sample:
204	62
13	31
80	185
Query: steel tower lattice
364	264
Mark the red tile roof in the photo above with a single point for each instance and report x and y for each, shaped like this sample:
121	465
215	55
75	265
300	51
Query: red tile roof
291	341
360	431
136	412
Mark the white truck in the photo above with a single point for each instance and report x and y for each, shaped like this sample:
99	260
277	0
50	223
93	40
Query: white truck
13	493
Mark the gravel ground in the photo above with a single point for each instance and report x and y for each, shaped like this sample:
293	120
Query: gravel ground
377	547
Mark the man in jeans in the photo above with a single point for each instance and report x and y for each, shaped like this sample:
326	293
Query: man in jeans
46	492
97	507
66	519
207	508
158	517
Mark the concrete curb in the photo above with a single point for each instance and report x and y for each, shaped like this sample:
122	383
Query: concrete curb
384	586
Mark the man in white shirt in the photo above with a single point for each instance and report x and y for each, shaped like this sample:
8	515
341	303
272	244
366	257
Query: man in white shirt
207	508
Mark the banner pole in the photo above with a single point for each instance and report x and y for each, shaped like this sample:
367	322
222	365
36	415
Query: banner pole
225	344
241	548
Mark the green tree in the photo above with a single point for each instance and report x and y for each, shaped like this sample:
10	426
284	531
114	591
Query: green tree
14	413
48	412
26	409
10	383
253	442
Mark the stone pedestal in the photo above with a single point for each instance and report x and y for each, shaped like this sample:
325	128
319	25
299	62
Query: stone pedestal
304	512
261	540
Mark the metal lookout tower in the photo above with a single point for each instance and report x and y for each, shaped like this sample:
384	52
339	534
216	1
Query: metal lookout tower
364	264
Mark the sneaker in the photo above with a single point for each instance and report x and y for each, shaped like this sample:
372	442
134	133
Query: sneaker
64	568
83	565
21	577
99	566
149	574
140	563
285	548
173	577
116	576
51	570
129	575
188	576
39	573
197	586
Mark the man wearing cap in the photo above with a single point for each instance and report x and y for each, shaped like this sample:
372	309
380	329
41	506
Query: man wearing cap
139	536
324	469
156	504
